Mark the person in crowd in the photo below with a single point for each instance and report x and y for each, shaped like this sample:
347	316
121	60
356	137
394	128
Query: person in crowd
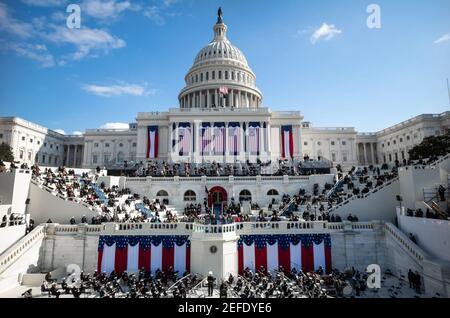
441	192
210	281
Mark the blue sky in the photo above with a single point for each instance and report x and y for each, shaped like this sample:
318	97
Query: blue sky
131	56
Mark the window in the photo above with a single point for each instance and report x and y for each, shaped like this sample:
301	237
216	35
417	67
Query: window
105	158
45	144
51	146
94	159
213	75
401	139
382	145
162	193
96	145
31	140
319	143
121	145
1	136
344	157
207	76
201	77
245	195
305	143
333	156
272	192
189	196
395	142
57	147
23	138
333	143
408	138
344	143
226	75
389	143
107	145
220	74
38	142
56	161
43	158
29	155
120	157
134	144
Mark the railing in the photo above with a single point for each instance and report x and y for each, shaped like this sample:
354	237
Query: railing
13	253
363	196
412	249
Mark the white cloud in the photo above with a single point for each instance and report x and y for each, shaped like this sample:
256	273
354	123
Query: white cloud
60	131
13	26
154	14
117	126
442	39
44	3
326	32
118	90
102	9
77	133
36	52
88	42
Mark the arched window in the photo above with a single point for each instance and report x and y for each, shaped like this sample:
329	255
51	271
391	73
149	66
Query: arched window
162	193
245	195
190	196
272	192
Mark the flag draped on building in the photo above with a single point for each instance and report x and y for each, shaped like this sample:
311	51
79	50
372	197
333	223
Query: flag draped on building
184	139
303	252
219	139
131	253
287	142
152	142
206	138
234	138
254	143
223	90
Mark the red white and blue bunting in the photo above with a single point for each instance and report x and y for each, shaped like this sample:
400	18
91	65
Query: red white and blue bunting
287	142
305	252
131	253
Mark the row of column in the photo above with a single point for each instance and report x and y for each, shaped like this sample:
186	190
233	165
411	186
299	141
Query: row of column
366	148
210	98
71	160
264	137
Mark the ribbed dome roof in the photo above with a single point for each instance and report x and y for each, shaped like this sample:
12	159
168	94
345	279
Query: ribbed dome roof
220	49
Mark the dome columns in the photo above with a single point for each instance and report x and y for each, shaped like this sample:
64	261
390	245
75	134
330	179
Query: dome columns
212	98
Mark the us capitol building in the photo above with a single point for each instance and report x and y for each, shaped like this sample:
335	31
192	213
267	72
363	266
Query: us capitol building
220	118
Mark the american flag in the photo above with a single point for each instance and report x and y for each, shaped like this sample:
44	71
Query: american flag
253	139
234	139
218	139
206	139
184	139
223	90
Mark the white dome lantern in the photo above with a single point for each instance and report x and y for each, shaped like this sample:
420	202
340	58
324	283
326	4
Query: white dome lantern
220	76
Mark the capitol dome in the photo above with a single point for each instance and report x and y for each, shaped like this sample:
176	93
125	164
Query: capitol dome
220	76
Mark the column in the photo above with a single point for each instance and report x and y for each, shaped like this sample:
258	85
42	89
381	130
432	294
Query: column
216	98
232	104
226	140
176	150
372	152
261	138
201	99
197	141
239	99
241	148
268	138
365	154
